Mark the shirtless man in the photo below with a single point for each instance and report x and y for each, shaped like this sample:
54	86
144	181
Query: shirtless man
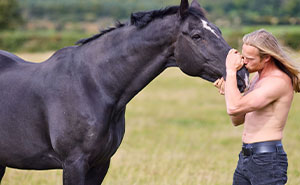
263	109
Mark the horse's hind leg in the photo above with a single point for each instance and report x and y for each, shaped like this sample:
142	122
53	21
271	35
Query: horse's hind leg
96	174
2	171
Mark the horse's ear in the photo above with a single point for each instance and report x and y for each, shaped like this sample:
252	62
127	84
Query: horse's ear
184	6
195	4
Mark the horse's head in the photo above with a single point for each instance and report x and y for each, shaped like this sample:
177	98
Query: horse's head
200	48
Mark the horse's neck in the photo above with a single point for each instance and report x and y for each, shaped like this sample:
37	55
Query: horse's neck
129	58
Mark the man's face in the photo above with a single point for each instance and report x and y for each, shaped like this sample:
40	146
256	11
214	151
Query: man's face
251	58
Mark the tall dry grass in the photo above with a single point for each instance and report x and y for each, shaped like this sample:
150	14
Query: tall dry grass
177	133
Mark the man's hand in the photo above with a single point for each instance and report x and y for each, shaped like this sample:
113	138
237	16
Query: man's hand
234	61
220	84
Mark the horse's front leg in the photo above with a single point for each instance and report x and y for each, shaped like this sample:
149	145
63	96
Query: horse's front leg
96	174
74	171
2	171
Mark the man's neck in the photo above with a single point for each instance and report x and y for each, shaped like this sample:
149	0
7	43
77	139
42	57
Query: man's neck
267	69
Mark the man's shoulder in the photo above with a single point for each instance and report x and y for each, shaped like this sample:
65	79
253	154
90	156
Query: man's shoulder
280	83
276	76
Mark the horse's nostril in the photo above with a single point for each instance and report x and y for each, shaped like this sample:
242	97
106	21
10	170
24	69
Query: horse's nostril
184	33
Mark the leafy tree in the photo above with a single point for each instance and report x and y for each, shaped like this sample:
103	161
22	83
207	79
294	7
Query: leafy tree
292	7
10	14
247	12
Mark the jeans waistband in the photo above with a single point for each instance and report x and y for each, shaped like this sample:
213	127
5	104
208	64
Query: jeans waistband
262	147
252	145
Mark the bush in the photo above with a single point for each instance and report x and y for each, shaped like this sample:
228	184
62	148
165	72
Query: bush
19	41
234	38
291	40
35	41
287	35
10	14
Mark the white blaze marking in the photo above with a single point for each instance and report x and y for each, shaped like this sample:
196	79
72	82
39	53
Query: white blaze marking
247	81
205	25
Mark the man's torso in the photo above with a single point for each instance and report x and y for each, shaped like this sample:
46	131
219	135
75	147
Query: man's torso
268	123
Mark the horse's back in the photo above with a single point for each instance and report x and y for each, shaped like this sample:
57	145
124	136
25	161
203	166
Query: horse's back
8	60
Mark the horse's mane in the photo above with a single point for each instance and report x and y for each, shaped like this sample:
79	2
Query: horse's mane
142	19
86	40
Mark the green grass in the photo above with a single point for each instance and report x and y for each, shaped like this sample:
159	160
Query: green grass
177	133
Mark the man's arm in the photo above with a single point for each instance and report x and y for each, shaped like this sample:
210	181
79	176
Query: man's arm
232	94
269	90
238	120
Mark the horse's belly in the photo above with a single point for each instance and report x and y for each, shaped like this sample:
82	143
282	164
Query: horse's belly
41	161
26	146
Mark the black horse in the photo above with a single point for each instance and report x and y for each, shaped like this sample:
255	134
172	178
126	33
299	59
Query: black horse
69	111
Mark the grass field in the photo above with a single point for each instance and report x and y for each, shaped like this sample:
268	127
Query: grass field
177	133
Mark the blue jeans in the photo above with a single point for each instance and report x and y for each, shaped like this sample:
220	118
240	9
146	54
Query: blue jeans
261	168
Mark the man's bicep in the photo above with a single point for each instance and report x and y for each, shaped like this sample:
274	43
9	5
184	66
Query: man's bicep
261	97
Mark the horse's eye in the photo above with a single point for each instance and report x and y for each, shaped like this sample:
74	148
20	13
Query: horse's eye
196	37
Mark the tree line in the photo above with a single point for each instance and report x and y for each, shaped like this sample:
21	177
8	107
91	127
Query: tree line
24	17
231	11
10	14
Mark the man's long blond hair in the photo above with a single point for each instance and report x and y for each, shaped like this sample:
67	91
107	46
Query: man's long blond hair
267	44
